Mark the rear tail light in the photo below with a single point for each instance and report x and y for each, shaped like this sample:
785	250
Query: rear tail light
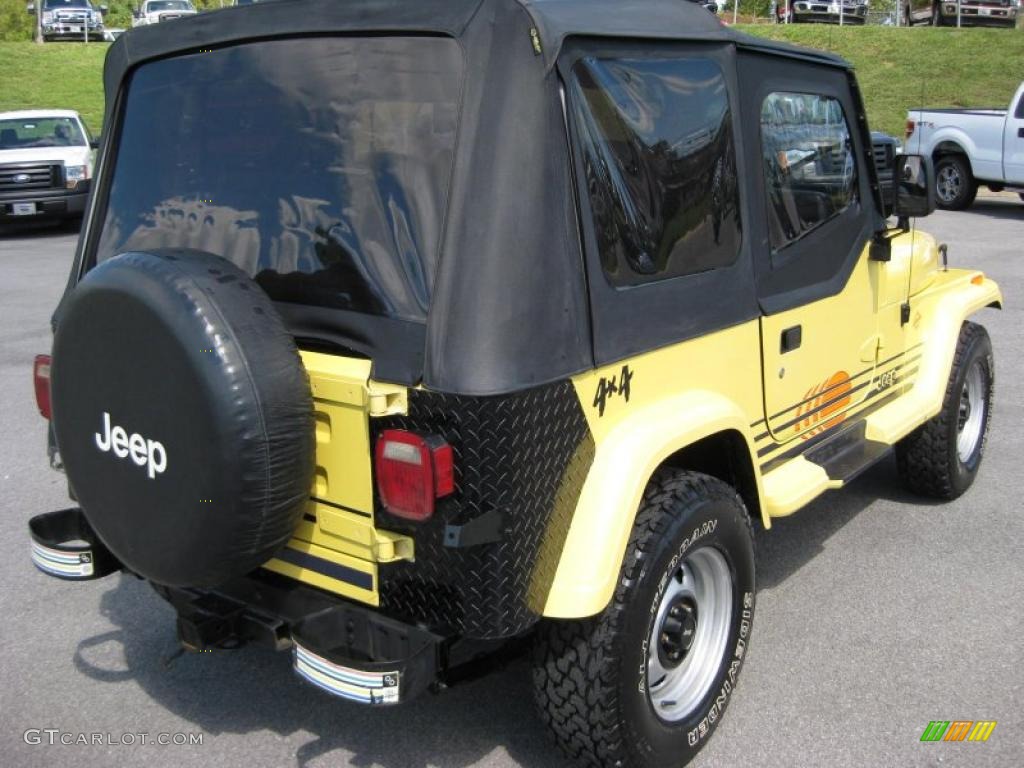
909	130
412	472
41	379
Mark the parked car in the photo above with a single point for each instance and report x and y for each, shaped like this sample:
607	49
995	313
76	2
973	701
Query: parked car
69	19
351	368
973	13
707	5
971	147
46	164
821	11
158	11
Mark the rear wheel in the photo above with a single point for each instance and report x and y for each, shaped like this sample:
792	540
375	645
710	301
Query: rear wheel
955	187
941	458
645	682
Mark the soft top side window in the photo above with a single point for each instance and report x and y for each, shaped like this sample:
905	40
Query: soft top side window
656	143
809	163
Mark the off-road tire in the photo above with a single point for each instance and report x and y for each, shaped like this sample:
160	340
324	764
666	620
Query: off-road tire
927	458
968	188
590	675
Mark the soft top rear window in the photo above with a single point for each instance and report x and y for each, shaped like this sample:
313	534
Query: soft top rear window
319	166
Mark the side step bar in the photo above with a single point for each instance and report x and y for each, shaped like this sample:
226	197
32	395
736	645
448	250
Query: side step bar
849	453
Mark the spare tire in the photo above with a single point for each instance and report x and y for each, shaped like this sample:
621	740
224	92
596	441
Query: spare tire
183	415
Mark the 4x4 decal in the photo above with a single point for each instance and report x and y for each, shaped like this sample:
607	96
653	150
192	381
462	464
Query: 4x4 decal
613	385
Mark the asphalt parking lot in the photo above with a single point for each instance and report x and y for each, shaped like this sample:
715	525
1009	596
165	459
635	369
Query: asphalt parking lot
876	612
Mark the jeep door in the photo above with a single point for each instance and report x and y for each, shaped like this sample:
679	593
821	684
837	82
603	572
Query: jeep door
821	297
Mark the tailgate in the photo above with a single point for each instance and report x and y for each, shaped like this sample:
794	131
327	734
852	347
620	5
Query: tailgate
336	544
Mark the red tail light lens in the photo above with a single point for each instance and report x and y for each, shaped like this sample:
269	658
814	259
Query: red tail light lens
41	379
412	472
911	125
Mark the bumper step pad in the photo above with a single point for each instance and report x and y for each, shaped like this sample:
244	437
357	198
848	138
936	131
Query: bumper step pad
65	546
346	682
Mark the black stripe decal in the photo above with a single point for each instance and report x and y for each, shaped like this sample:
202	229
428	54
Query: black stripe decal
782	458
327	568
336	505
852	378
769	448
823	406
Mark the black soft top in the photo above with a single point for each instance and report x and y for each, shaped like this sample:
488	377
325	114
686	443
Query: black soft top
555	20
509	306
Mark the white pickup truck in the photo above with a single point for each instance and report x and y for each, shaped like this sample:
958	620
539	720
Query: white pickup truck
970	147
46	164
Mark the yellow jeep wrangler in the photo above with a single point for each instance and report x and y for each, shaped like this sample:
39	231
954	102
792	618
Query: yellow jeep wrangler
402	332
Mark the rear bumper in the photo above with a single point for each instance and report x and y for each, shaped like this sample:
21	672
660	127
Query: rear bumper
344	648
47	203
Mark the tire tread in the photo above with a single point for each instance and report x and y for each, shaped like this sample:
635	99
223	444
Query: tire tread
575	661
922	457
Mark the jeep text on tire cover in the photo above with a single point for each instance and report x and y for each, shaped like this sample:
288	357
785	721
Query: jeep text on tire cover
144	453
448	323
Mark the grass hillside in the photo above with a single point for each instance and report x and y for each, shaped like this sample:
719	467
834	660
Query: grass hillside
58	75
897	69
900	68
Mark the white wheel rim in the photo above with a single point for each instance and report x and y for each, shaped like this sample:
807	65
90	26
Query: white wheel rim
700	591
971	414
948	183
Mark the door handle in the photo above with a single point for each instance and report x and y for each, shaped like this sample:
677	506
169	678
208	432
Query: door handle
1020	133
791	339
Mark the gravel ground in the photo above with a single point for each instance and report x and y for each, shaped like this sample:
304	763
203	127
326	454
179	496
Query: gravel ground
876	612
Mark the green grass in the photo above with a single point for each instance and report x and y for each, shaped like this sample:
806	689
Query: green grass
56	76
897	69
902	68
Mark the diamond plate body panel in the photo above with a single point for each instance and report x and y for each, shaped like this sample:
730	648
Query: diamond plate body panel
525	455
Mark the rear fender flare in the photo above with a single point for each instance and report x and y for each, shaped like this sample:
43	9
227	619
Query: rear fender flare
624	462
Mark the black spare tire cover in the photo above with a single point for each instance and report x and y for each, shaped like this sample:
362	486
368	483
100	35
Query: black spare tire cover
183	415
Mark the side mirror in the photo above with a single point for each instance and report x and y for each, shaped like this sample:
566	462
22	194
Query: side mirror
94	142
914	180
103	10
31	9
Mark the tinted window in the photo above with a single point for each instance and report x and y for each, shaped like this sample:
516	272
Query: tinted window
319	166
809	166
656	141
